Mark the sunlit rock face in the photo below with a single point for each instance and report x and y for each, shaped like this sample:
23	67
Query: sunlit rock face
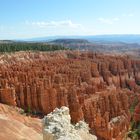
16	126
97	88
57	126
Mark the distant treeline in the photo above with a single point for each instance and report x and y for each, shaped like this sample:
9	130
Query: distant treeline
13	47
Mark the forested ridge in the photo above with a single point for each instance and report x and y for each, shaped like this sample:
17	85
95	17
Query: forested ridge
21	46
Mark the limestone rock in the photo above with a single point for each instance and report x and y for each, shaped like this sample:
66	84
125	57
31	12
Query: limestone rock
57	126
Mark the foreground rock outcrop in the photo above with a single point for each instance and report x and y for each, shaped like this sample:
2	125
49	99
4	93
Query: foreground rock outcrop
57	126
97	88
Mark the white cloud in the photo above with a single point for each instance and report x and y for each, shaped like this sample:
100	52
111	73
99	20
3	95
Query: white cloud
55	24
115	19
51	28
128	15
108	20
131	15
1	28
6	29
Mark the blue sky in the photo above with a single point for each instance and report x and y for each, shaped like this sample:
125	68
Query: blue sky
38	18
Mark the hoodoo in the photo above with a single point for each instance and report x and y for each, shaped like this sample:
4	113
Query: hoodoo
97	88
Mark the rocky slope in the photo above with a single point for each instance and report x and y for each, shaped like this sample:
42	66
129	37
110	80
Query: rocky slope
97	88
15	126
57	126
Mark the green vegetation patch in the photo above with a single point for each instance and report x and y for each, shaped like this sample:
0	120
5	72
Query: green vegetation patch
21	46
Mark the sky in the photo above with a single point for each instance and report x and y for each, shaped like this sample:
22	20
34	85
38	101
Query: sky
21	19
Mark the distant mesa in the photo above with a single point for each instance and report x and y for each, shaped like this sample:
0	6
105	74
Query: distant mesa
69	41
126	38
6	41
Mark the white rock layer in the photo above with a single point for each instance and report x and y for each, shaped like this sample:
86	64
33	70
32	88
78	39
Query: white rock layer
57	126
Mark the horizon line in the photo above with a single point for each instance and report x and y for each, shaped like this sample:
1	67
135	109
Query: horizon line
71	36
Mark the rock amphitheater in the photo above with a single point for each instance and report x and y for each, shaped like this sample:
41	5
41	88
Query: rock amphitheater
97	88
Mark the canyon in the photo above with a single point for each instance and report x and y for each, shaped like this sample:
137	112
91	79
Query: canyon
97	88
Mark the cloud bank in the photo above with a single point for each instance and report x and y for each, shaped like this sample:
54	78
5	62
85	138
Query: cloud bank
55	24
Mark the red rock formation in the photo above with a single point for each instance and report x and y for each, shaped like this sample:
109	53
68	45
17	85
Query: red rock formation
137	112
7	96
98	88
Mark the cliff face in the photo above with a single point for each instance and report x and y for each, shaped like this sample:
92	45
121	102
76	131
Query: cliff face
97	88
57	126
